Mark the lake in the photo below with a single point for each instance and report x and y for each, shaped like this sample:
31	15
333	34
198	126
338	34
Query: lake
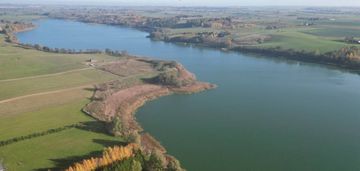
267	114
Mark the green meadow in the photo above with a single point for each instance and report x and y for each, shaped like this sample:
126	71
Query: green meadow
290	39
53	89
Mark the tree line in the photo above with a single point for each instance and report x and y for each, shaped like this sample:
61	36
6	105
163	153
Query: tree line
74	51
37	134
347	57
127	158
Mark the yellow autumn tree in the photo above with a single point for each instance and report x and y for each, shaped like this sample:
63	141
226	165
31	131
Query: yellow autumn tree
109	156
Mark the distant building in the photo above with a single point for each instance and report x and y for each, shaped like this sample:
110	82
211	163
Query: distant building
308	24
91	60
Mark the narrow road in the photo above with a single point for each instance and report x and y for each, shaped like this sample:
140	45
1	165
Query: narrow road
44	93
46	75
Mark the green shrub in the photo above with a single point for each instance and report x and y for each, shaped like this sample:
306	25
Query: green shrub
116	126
169	77
156	161
174	165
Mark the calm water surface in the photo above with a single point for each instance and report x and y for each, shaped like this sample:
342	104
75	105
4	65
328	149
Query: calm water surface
266	114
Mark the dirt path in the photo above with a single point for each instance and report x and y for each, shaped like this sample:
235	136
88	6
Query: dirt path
44	93
62	90
46	75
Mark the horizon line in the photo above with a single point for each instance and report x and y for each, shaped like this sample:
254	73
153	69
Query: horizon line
176	6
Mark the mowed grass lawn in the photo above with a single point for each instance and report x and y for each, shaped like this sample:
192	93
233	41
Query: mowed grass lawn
69	93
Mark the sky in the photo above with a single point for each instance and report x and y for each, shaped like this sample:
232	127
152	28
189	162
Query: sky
195	2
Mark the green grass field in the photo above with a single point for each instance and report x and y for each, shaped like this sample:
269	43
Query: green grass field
316	38
290	39
17	88
40	152
16	62
338	32
55	150
65	87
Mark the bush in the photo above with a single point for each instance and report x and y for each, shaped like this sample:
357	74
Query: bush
174	165
126	165
169	77
116	126
134	137
156	161
135	163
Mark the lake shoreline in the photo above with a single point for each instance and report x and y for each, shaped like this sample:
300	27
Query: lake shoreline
302	56
253	100
17	28
122	104
148	143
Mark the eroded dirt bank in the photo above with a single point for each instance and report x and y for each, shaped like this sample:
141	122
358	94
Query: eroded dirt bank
11	28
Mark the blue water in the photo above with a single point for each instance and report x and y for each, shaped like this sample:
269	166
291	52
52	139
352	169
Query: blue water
266	115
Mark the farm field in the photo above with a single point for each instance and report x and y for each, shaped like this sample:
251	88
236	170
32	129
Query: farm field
62	101
16	62
43	91
301	41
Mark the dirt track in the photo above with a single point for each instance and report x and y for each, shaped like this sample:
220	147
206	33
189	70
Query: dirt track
46	75
44	93
61	90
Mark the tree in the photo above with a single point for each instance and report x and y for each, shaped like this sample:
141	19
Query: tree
134	137
350	39
116	126
124	53
108	51
156	161
174	165
228	42
136	166
168	77
46	49
126	165
38	47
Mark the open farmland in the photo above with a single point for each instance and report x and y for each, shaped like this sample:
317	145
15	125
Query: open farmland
41	92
